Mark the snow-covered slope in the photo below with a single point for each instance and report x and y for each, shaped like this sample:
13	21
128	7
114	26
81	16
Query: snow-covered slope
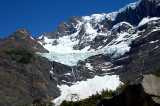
84	89
65	53
146	20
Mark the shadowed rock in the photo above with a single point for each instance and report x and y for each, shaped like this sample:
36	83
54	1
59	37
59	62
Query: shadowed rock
144	91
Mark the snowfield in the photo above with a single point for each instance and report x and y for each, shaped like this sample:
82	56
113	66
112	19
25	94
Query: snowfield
84	89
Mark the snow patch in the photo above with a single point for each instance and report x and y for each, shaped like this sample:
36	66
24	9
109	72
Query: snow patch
31	37
89	66
40	37
120	24
68	74
154	41
90	31
51	72
155	48
84	89
98	17
154	30
86	19
146	20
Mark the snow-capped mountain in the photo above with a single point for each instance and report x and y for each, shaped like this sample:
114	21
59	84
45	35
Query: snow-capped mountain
85	36
83	56
103	44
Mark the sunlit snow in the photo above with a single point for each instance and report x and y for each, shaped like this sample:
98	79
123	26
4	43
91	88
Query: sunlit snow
64	53
90	31
89	66
84	89
154	41
110	16
120	24
146	20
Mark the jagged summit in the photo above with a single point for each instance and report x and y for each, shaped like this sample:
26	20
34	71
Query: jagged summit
21	34
22	39
132	13
22	31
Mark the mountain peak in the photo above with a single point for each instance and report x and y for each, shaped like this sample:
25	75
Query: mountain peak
21	33
23	30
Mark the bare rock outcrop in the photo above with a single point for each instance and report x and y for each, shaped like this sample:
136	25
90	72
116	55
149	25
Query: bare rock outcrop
144	91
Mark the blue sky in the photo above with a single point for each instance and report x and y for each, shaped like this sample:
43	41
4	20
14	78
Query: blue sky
39	16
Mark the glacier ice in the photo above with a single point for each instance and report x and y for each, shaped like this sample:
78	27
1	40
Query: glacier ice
65	54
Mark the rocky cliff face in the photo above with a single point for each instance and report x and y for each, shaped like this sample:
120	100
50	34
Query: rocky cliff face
21	39
142	92
21	81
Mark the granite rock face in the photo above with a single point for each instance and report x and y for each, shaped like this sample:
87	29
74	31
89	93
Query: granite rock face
142	92
151	85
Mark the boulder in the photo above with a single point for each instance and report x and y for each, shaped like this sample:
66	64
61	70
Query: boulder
144	91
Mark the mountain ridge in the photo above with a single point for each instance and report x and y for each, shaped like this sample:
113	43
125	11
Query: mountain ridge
118	14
